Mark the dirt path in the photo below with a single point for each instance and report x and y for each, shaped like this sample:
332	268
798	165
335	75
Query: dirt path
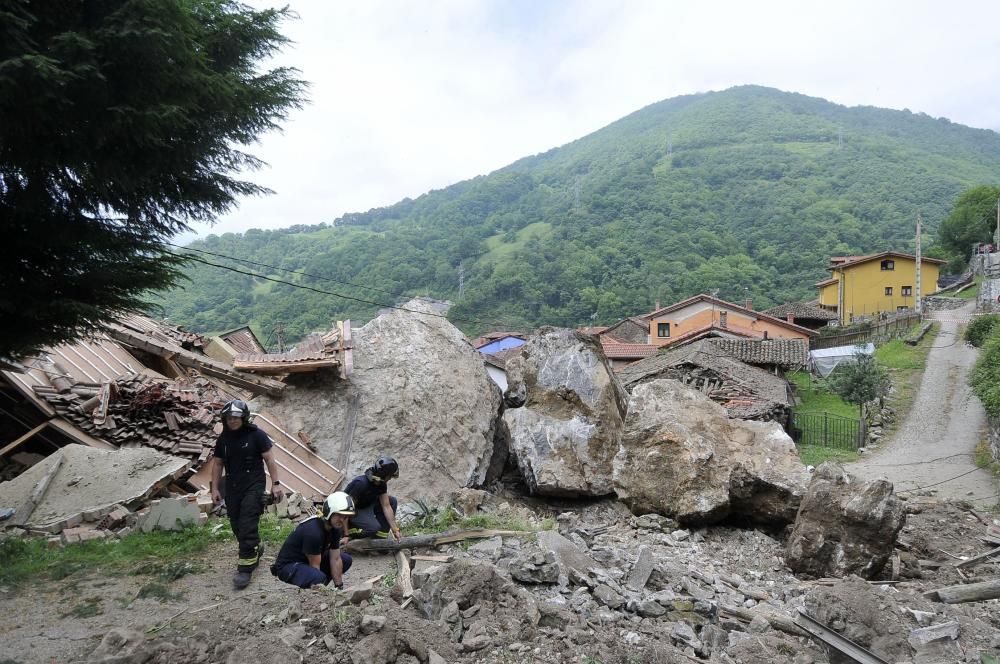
63	621
947	421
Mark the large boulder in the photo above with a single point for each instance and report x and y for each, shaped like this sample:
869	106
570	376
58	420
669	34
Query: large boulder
566	433
682	457
418	392
844	526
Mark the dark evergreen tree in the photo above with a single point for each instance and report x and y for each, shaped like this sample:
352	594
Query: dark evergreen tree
120	123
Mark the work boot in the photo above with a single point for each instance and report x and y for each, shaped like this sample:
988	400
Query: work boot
241	580
260	554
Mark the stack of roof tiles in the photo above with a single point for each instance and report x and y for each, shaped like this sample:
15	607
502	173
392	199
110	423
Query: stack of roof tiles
173	417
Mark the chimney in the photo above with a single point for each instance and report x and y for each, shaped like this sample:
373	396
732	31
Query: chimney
657	306
749	304
790	317
765	335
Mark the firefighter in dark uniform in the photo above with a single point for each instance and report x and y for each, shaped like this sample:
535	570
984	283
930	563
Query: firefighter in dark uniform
376	509
311	555
242	450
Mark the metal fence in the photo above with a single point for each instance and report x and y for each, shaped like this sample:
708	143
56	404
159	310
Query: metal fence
879	329
826	430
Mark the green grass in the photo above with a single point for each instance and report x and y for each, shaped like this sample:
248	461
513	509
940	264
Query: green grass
816	398
498	250
984	458
814	455
164	555
971	292
897	354
441	519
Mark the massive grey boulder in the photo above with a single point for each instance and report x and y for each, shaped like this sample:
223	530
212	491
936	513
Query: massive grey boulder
681	456
418	392
566	434
844	526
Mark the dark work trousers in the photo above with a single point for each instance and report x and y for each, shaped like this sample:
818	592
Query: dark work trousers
304	575
244	510
371	521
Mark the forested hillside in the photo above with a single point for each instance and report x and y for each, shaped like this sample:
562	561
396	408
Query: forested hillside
746	191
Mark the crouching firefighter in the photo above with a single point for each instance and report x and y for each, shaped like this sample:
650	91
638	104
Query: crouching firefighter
242	450
311	555
376	509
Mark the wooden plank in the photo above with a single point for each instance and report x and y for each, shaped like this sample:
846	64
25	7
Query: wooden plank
205	364
972	592
434	559
10	446
778	621
970	561
24	512
281	368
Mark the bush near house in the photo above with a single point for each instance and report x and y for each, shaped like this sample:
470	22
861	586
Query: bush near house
980	328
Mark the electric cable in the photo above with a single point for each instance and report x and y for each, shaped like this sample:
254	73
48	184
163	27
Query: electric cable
920	488
331	293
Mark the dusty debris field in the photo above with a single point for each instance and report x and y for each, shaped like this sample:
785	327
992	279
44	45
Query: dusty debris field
605	586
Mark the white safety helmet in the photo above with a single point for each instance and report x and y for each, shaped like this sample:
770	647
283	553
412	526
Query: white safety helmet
337	502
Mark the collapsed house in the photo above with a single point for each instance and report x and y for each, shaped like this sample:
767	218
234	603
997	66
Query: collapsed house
746	392
140	383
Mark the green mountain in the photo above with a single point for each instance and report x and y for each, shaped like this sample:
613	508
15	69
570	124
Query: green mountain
748	192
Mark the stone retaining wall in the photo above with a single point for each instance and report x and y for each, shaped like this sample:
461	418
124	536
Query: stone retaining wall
941	303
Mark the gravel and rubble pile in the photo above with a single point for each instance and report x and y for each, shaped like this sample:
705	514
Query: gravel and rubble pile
608	587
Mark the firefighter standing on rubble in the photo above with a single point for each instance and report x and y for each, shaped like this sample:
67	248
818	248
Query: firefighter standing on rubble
242	450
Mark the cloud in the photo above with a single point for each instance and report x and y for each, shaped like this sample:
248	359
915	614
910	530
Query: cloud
408	97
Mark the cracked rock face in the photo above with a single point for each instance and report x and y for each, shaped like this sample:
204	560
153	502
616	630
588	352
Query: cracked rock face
844	526
567	429
682	457
419	392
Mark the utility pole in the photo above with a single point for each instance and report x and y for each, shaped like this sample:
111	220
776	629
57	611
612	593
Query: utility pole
918	302
996	234
279	334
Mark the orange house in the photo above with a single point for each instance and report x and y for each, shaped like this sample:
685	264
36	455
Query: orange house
704	315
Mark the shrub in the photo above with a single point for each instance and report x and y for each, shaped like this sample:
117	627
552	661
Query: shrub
980	328
985	376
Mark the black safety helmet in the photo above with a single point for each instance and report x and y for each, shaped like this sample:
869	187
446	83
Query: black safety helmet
236	407
385	468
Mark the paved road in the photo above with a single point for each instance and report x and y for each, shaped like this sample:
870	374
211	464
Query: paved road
947	421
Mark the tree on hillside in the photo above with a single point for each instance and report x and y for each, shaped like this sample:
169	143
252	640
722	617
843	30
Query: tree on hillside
973	219
860	382
120	123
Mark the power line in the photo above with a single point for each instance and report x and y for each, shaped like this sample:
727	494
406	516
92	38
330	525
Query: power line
247	261
941	482
340	295
561	318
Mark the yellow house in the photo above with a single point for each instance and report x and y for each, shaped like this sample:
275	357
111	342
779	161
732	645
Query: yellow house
865	286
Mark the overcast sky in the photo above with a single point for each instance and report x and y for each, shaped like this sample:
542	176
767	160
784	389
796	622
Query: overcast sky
412	96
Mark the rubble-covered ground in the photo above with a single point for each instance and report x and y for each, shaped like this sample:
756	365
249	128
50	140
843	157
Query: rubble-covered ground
604	586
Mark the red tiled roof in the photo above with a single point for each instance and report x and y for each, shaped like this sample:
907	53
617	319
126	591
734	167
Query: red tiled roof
243	340
620	351
825	282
